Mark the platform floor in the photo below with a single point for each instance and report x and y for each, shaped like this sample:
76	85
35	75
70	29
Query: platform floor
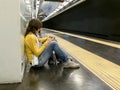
56	78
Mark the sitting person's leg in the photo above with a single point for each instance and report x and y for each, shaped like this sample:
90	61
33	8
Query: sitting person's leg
66	59
53	60
53	46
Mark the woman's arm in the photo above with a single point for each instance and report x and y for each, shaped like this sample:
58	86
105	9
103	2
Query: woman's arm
42	39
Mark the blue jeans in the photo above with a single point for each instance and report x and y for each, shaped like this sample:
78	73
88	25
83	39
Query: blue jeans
53	46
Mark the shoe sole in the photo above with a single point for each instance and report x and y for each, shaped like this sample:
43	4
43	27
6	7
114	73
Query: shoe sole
71	67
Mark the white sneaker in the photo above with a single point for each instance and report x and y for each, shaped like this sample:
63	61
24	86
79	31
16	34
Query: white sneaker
71	64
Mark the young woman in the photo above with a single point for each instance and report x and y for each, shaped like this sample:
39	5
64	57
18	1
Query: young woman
44	51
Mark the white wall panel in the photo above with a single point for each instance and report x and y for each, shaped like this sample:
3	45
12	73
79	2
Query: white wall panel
10	47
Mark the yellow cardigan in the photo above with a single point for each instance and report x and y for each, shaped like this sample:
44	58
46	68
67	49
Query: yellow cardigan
31	47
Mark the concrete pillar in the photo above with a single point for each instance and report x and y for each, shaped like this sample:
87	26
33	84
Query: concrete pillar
11	69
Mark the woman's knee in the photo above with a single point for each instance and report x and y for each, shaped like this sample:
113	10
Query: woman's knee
53	43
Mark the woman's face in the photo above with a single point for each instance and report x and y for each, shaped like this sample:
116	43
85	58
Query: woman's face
38	31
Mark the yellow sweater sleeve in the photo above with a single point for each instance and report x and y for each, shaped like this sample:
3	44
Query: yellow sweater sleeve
42	39
32	44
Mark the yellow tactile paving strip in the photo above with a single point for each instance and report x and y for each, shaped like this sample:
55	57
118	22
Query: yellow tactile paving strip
104	69
116	45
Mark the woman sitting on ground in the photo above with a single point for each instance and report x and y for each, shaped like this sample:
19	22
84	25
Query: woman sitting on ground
44	51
